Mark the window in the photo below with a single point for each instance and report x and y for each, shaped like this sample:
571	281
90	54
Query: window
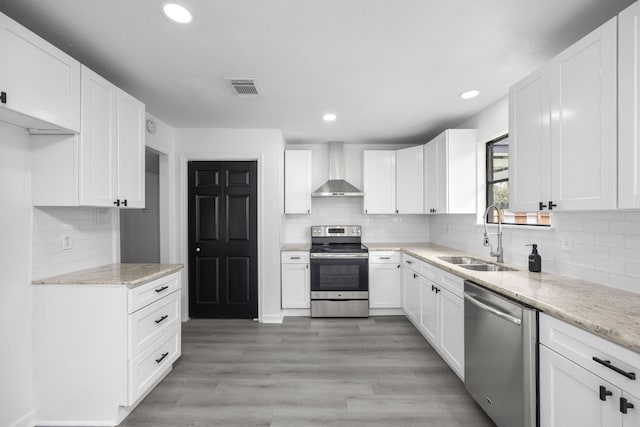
498	188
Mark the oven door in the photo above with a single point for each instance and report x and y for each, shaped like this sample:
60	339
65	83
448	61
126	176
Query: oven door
339	274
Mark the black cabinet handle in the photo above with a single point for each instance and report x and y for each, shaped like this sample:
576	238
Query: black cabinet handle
3	97
624	405
124	202
604	393
162	358
117	202
162	289
607	363
415	275
398	265
433	288
541	206
552	205
166	316
397	211
437	290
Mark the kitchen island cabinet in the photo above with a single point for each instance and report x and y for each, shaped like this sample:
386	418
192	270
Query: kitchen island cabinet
103	338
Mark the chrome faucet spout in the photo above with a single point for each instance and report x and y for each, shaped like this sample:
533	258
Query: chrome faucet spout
499	252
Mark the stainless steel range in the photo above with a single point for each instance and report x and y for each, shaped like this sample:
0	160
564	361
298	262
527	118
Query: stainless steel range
339	272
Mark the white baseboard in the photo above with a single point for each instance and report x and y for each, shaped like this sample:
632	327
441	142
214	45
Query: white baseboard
296	312
27	420
272	318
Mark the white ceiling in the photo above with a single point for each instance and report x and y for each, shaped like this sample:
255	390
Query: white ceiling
390	69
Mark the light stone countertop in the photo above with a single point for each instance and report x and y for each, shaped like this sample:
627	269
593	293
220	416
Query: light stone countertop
285	247
608	312
129	275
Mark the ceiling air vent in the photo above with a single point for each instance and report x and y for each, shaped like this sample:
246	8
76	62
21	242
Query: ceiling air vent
245	87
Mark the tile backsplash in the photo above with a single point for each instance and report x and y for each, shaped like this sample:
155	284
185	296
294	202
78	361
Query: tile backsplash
600	247
348	211
90	235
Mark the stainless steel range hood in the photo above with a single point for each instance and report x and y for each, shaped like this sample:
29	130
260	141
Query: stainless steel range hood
336	186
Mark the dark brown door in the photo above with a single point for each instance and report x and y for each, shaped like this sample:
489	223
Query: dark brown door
223	226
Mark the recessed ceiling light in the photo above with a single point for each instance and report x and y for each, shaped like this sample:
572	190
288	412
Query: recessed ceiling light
329	117
470	94
177	13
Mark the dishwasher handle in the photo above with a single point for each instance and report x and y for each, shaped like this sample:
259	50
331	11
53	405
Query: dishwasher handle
492	310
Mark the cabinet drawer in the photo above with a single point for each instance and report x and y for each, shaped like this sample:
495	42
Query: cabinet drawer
150	292
150	365
581	347
452	283
384	257
148	324
411	262
295	257
429	271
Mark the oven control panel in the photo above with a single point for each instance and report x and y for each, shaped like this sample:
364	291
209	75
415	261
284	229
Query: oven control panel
336	231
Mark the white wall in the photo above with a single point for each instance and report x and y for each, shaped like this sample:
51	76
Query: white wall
605	246
267	147
348	210
16	360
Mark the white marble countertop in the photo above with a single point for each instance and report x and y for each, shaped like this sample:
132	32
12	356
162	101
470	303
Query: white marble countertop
608	312
129	275
285	247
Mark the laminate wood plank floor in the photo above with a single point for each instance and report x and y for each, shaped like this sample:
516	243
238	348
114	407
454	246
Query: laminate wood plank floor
308	372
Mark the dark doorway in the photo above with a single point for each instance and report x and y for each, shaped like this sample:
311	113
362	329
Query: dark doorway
223	226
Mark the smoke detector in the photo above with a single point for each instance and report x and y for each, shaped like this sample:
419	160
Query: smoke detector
246	88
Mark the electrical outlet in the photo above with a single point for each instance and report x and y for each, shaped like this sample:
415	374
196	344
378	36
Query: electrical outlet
66	242
103	216
566	244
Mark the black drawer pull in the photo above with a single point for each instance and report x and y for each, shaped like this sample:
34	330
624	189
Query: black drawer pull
164	288
624	405
607	363
162	358
162	318
604	393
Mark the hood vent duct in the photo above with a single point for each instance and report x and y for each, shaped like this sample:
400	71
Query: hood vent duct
337	186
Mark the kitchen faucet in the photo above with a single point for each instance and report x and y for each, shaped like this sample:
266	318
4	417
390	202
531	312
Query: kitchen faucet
486	242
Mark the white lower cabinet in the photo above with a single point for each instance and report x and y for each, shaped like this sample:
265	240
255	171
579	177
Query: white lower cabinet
577	390
385	279
100	349
296	292
433	303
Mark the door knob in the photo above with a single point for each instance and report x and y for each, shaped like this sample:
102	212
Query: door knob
197	249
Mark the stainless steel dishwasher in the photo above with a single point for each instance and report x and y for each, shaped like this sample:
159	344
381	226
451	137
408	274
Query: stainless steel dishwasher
500	348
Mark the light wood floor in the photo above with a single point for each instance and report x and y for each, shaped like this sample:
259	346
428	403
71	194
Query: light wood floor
308	372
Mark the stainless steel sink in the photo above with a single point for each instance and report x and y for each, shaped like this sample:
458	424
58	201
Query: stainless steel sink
474	263
459	260
486	267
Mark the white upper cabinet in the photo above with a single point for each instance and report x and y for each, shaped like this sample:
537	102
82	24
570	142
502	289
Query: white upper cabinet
379	181
563	121
584	122
104	165
530	168
450	172
628	109
39	84
297	182
410	180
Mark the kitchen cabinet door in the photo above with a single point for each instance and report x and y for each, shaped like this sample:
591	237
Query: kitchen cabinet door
450	175
130	150
451	335
410	180
429	311
628	109
296	292
411	295
98	141
569	395
379	181
40	83
385	290
583	99
529	144
297	182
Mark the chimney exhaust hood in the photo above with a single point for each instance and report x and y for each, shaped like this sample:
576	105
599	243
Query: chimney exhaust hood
336	186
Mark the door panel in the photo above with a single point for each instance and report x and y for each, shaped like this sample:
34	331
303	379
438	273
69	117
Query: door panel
223	278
